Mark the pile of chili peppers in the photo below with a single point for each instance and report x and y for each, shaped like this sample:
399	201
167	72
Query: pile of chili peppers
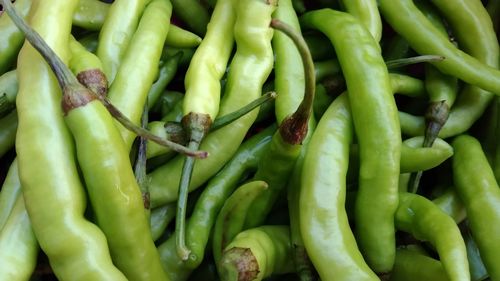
249	140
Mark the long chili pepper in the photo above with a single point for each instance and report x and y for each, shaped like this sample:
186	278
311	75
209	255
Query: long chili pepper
201	101
12	38
250	67
476	186
200	224
231	218
425	221
128	91
415	157
279	161
367	12
117	31
18	245
257	253
407	20
54	176
377	127
327	236
290	84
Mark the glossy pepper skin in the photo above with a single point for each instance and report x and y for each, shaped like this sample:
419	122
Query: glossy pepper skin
54	176
376	125
477	188
367	12
12	37
116	32
250	67
327	236
408	21
129	89
113	191
218	189
413	266
425	221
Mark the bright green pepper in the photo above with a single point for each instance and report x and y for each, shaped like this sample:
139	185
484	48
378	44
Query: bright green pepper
54	176
377	128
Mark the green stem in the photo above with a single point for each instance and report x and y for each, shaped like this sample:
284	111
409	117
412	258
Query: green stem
391	64
228	118
68	82
294	128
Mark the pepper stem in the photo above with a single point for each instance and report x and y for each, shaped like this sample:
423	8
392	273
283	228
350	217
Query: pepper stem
196	125
412	60
293	129
228	118
435	118
70	85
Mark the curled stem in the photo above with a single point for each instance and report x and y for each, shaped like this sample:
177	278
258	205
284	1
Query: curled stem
412	60
294	127
69	83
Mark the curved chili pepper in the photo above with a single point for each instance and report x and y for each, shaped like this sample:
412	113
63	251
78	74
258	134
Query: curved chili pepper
425	221
146	45
327	236
54	173
202	220
377	127
476	186
193	14
231	218
117	31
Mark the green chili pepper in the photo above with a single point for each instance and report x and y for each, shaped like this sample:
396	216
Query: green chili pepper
425	221
476	186
145	46
415	157
117	31
250	67
377	128
181	38
231	218
279	161
18	245
407	20
323	221
12	38
413	266
200	224
54	176
256	253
